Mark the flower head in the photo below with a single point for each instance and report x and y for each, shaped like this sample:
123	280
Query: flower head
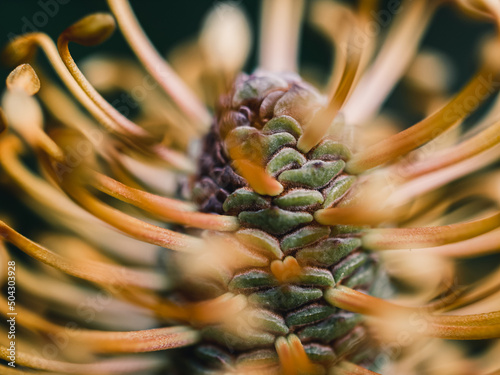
251	223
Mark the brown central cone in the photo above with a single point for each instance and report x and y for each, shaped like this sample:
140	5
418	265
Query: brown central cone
261	120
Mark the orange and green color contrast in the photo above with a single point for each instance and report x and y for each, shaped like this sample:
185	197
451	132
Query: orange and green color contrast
264	223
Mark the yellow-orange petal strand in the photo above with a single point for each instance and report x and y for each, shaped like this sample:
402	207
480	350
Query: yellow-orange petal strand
478	90
23	47
465	150
318	126
259	180
285	356
352	215
117	117
149	340
482	332
348	368
464	327
279	36
159	69
170	210
134	227
102	367
408	238
98	272
481	245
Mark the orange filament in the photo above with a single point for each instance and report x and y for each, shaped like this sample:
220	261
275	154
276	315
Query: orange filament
318	126
286	270
156	65
293	358
407	238
479	89
258	178
134	227
457	327
98	272
465	150
171	210
281	21
103	366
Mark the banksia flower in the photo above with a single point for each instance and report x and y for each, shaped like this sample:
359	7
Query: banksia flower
288	226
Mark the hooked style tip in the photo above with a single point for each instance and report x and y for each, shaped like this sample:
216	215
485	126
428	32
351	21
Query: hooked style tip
91	30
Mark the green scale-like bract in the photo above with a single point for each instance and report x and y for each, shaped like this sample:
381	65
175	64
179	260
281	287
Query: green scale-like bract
271	110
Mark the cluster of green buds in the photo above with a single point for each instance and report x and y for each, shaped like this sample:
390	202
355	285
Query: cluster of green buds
252	168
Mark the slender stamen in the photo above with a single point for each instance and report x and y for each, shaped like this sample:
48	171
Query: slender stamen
440	178
119	314
64	110
3	122
48	46
407	238
482	289
156	65
279	36
101	367
464	327
481	245
23	78
138	341
350	216
391	62
98	272
78	33
101	27
134	227
23	112
336	21
479	89
171	210
111	341
152	102
318	126
44	197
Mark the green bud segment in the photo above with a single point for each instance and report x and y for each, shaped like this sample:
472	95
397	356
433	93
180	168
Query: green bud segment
269	113
285	297
282	124
299	199
330	329
309	314
285	159
243	199
275	220
303	237
314	174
